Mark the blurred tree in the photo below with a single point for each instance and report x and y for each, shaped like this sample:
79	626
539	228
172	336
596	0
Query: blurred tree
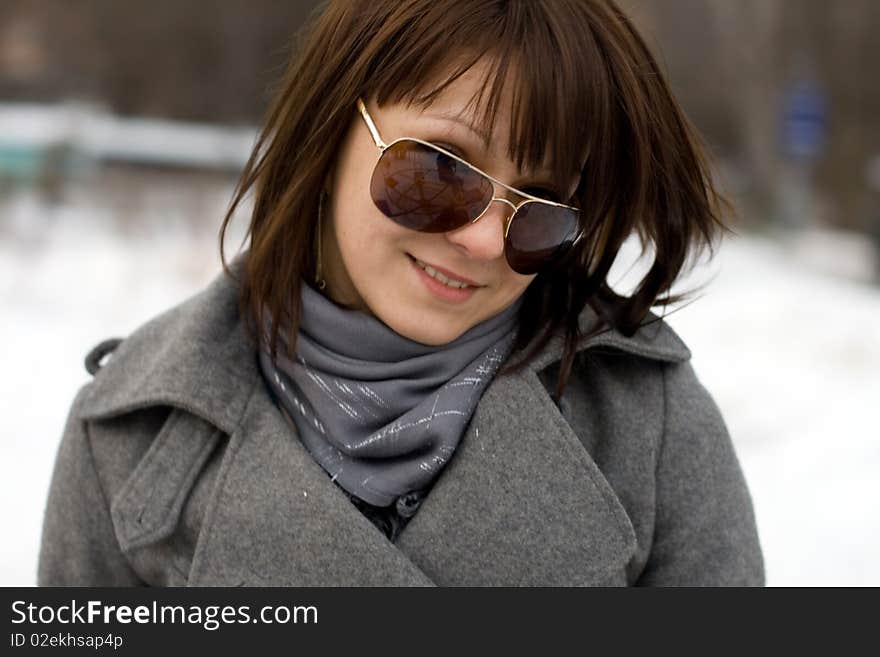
188	60
846	38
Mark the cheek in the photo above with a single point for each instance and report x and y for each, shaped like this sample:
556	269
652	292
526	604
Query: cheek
363	229
368	241
356	219
354	164
513	287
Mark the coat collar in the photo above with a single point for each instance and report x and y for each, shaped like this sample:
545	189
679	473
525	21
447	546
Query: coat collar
522	502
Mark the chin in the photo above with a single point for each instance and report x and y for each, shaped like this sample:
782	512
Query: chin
435	341
423	335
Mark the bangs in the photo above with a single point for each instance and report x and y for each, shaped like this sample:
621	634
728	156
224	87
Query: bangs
545	52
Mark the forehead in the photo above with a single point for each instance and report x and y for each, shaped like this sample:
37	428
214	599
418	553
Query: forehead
463	101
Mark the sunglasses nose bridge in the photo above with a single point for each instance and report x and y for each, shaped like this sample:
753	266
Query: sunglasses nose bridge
489	205
509	217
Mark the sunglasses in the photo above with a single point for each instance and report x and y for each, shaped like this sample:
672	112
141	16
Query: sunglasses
423	187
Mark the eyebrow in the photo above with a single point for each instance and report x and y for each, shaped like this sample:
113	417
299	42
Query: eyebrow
457	118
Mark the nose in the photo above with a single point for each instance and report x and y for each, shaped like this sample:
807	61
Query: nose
484	238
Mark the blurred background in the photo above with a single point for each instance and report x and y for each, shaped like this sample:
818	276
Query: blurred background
123	127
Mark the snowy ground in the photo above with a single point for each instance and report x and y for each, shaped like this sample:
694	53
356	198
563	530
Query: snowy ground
791	354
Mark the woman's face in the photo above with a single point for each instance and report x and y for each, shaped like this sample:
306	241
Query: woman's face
370	262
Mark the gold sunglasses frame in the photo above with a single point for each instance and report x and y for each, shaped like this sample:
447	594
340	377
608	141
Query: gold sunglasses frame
382	146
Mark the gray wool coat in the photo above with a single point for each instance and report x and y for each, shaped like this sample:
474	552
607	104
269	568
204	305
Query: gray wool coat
176	468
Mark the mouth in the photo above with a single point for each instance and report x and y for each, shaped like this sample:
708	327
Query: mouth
448	278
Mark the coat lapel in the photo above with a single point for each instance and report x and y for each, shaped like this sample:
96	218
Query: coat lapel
521	502
277	520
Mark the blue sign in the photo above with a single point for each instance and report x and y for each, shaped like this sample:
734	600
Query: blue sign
804	121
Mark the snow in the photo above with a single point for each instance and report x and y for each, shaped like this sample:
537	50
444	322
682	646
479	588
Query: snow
788	348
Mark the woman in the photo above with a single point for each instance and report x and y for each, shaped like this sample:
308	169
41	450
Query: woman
417	374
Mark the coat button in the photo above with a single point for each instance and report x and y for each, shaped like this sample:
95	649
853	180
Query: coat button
408	503
565	408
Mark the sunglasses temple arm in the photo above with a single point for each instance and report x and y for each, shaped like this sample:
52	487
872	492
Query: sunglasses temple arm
374	132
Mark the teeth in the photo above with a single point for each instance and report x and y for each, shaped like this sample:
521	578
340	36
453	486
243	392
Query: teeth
433	273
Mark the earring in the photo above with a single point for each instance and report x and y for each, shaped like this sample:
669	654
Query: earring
320	283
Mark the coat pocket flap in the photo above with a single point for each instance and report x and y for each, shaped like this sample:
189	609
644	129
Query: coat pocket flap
148	507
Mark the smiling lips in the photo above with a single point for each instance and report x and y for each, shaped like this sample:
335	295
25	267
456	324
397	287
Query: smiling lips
448	278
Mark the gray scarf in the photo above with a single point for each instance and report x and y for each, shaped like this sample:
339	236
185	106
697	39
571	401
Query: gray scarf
382	414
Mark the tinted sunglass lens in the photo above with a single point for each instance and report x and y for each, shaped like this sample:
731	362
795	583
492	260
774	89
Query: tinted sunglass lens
426	190
538	235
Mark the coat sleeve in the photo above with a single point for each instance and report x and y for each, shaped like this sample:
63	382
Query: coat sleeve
705	532
79	546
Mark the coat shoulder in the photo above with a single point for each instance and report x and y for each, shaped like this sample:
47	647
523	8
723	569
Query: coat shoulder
197	356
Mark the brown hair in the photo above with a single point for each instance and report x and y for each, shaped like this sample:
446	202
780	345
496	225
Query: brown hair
585	82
